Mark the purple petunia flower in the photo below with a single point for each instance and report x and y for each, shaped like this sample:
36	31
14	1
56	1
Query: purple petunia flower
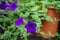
12	5
1	30
3	5
31	26
19	21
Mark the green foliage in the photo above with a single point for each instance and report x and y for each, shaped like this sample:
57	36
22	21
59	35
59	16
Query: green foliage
57	6
34	10
55	3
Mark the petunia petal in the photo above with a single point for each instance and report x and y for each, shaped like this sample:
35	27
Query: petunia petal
31	26
3	5
19	21
12	6
1	30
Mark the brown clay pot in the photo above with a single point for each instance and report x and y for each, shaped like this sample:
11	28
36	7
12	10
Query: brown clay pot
48	26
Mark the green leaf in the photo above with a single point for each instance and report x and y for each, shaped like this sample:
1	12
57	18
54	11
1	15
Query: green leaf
48	18
42	33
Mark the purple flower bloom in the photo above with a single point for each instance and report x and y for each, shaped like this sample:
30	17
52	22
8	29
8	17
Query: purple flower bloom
19	21
12	5
1	30
31	26
3	5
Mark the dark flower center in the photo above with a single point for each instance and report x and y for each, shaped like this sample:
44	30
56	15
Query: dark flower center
30	25
13	5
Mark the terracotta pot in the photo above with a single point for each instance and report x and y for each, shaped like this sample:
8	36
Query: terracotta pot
48	26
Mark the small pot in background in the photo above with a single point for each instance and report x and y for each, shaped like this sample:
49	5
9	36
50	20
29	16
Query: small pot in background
48	26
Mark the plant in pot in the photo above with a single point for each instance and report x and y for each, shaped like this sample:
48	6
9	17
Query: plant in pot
24	20
49	28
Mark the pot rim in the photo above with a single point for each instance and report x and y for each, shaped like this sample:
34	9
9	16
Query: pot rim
51	7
